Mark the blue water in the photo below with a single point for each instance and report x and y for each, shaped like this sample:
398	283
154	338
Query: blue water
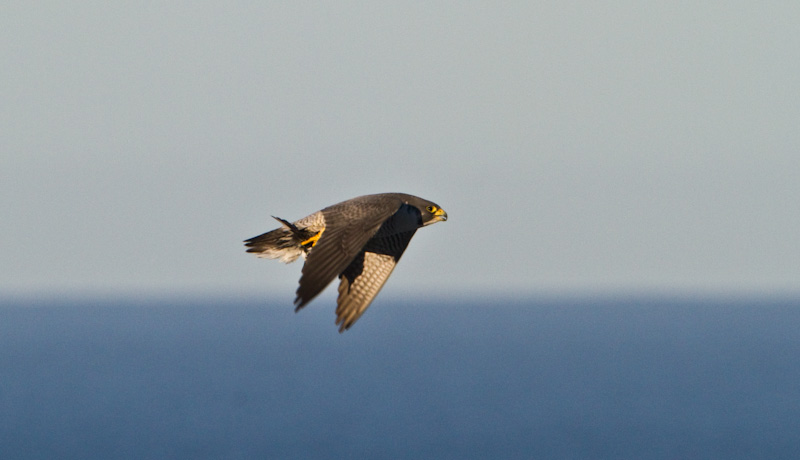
638	378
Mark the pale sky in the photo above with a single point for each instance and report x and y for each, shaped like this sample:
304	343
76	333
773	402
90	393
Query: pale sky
576	146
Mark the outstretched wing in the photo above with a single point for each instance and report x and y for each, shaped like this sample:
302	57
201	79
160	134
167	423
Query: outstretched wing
365	276
348	227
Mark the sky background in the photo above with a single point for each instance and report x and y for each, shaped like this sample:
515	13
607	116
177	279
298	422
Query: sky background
576	146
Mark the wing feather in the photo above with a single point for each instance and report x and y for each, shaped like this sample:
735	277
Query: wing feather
348	227
366	275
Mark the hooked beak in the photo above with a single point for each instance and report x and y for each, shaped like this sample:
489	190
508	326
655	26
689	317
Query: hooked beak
440	214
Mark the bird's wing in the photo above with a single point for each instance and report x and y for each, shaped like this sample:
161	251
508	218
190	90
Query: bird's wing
365	276
348	227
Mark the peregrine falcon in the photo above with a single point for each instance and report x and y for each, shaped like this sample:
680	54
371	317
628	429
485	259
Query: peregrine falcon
359	240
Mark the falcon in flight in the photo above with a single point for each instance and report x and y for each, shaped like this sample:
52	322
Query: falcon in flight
359	240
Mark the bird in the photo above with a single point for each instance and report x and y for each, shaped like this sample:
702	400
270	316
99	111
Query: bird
359	241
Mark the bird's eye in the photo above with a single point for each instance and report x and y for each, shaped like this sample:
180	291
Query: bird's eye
430	209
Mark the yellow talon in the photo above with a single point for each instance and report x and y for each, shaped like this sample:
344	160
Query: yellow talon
313	240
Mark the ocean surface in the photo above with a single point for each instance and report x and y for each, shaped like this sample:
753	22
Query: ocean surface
625	378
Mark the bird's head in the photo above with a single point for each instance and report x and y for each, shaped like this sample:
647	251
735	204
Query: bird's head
432	213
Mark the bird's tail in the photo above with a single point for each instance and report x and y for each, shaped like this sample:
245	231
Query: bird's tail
286	243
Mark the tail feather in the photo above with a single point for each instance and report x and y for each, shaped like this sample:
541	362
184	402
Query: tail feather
283	243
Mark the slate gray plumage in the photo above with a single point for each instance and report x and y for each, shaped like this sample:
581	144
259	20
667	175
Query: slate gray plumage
358	240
